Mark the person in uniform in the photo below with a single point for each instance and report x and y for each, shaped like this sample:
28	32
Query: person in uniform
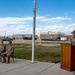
73	38
9	52
2	48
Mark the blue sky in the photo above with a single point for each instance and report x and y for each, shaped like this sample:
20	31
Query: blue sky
16	16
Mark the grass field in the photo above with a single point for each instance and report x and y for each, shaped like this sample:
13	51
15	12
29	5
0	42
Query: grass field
42	53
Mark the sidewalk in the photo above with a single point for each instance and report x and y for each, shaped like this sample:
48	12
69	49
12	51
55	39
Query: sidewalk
24	67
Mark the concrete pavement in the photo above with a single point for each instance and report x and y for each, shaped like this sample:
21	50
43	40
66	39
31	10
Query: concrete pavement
24	67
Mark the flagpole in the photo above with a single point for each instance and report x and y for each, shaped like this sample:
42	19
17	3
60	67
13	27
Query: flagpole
33	35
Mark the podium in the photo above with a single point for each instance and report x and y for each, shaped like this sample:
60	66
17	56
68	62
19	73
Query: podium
67	56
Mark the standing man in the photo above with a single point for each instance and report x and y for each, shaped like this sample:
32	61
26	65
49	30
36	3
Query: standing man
73	38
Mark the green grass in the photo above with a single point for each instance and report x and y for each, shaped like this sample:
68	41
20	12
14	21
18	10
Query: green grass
42	53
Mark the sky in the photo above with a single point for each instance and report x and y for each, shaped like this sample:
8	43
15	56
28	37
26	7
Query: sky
16	16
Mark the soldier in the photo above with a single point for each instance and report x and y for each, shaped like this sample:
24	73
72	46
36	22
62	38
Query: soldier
9	52
73	38
2	48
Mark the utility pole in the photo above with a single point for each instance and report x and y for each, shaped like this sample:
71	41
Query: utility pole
33	35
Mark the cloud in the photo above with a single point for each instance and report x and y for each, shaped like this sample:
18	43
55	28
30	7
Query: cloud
67	29
23	25
55	19
23	20
14	20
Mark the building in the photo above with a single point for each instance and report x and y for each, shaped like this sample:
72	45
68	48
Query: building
2	37
18	36
24	36
69	36
51	35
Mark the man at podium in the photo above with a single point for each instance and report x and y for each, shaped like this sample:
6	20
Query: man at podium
73	38
68	54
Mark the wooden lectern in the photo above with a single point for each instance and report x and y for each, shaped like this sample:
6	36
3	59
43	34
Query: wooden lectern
67	56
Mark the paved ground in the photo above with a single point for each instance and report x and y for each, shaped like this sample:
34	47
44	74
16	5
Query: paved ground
24	67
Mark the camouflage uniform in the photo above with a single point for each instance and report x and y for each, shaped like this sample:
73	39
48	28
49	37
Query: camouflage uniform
72	41
9	52
2	49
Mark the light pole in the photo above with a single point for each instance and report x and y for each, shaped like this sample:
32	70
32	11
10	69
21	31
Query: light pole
33	35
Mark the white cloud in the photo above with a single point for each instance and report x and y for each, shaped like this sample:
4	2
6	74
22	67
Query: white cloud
67	29
24	24
55	19
14	20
